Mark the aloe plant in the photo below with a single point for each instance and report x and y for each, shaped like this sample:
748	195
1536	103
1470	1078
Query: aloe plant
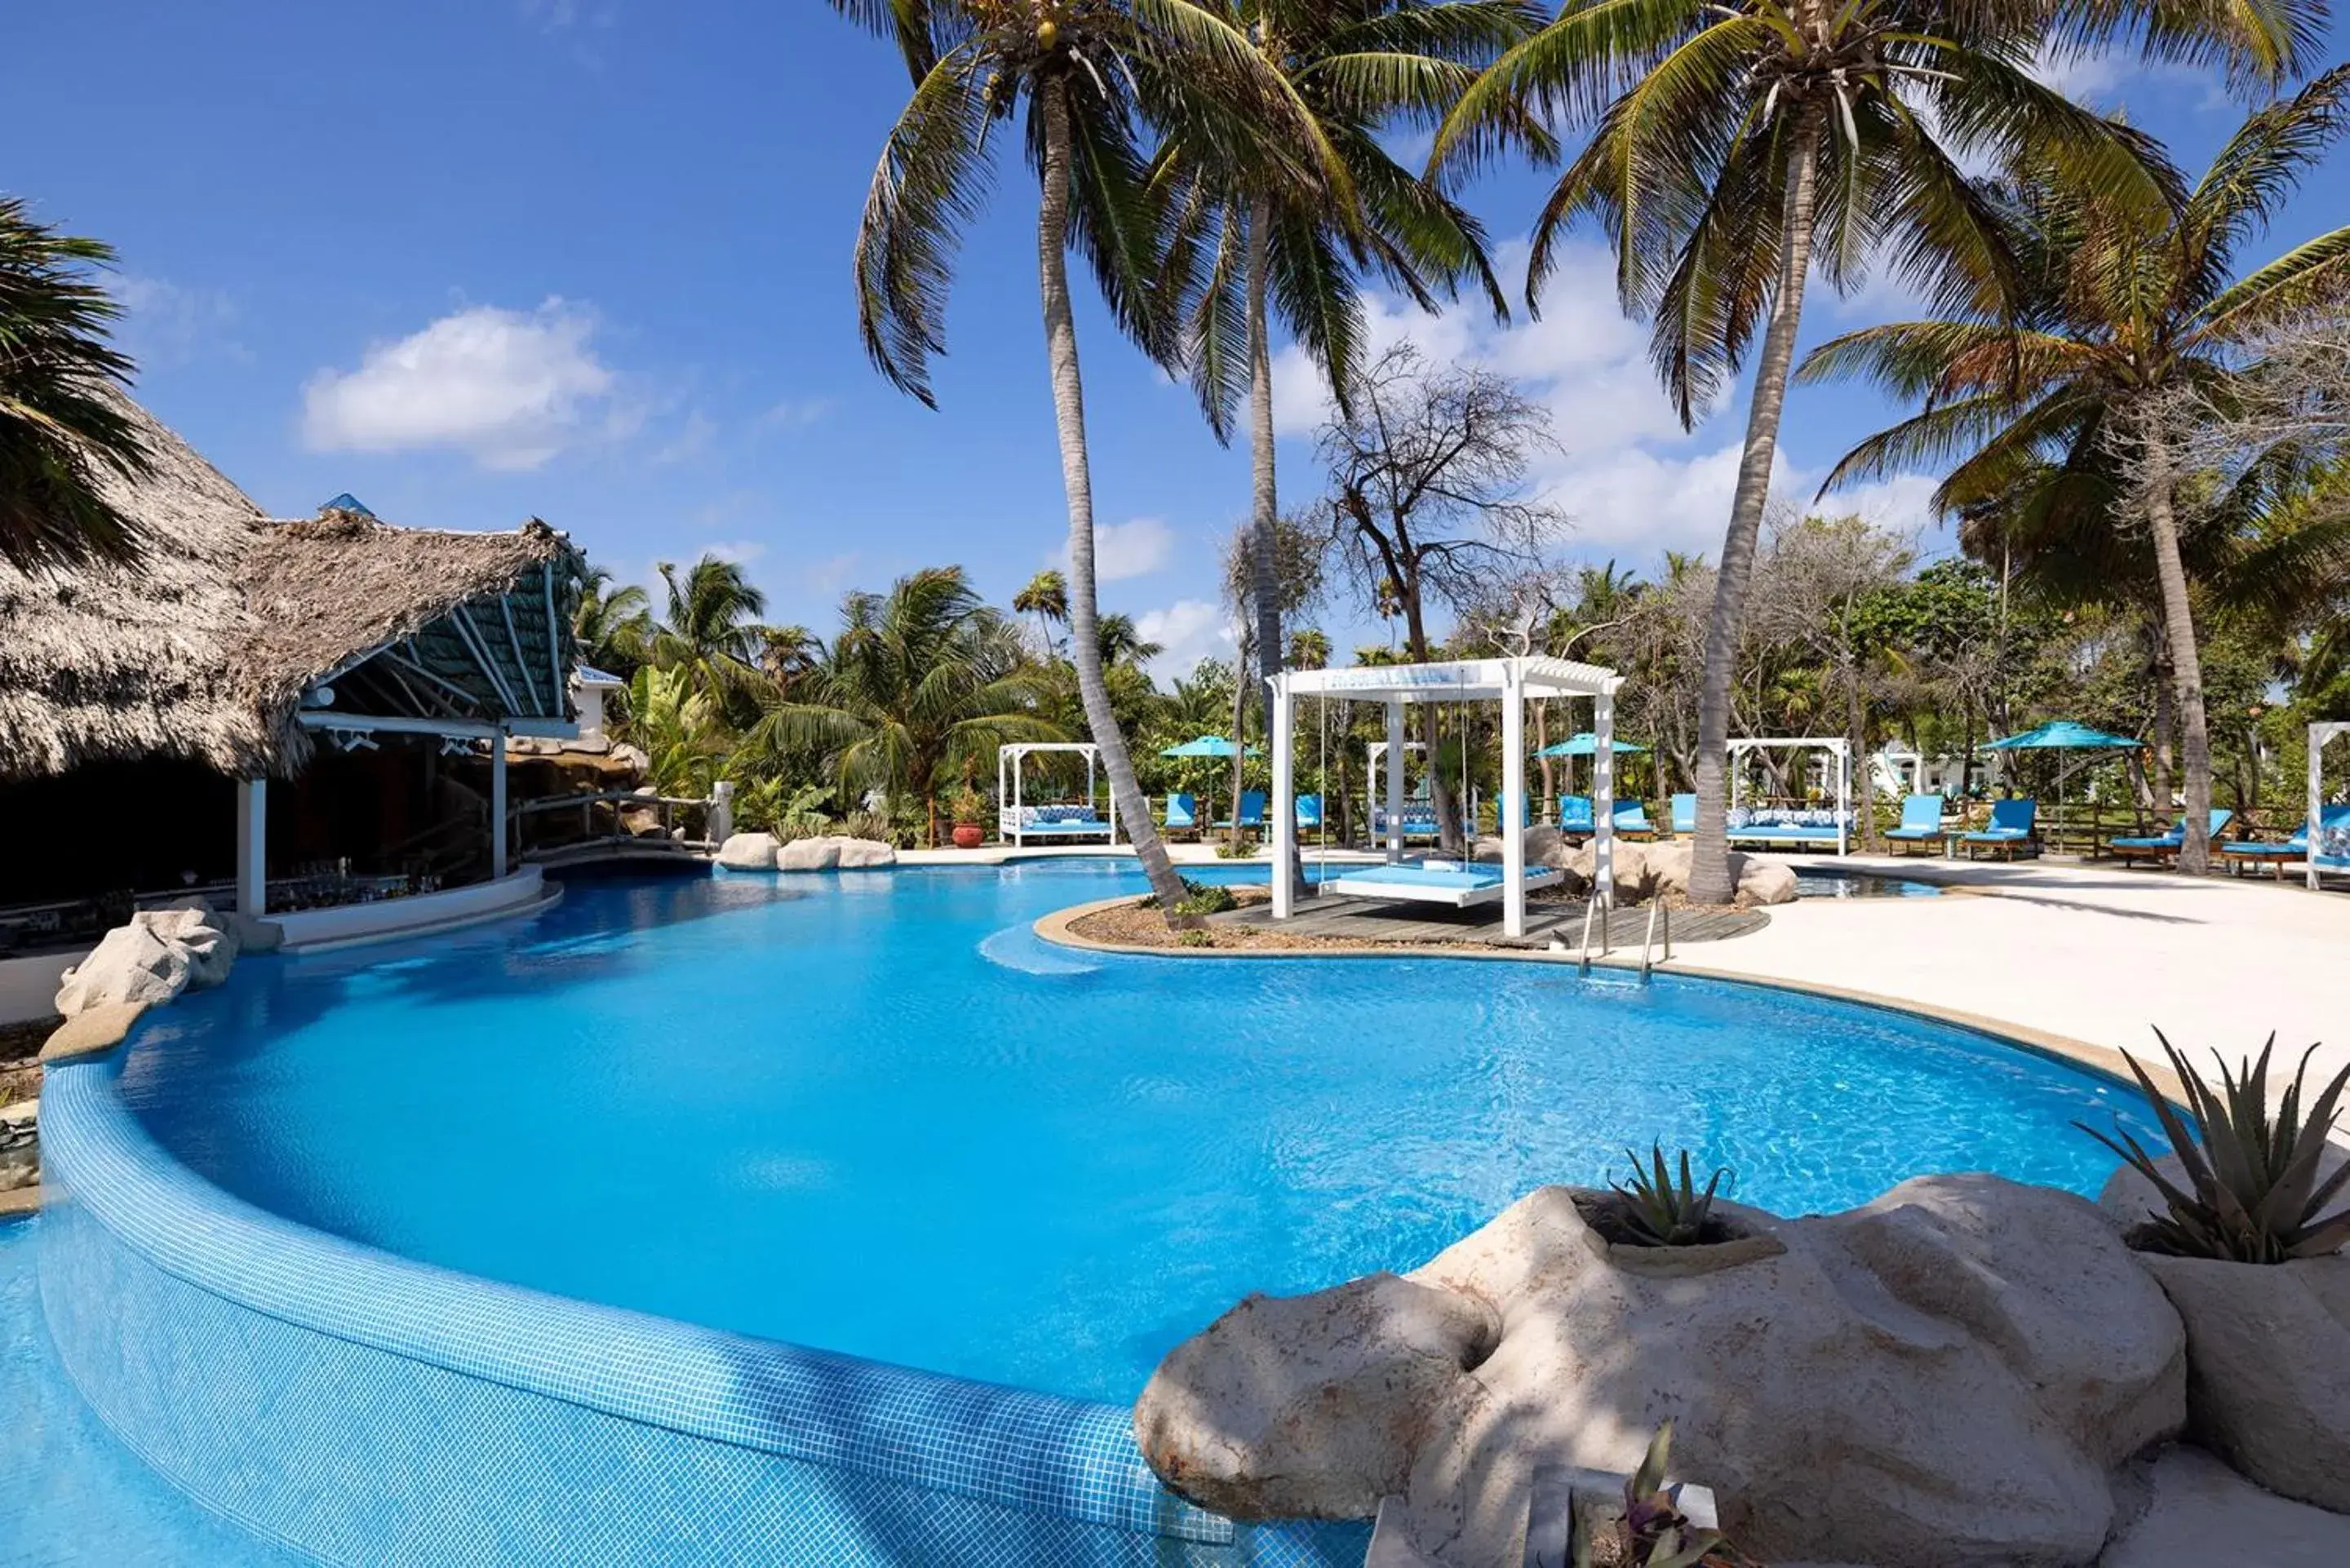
2255	1191
1660	1211
1653	1532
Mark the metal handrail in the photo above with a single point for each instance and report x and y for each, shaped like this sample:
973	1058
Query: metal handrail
1583	961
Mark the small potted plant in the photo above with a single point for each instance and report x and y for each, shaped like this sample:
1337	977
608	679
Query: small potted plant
969	810
1646	1522
1660	1222
2243	1227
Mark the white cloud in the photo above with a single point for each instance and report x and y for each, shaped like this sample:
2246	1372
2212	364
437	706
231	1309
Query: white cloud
1190	630
165	323
1123	550
796	413
511	388
1633	482
692	439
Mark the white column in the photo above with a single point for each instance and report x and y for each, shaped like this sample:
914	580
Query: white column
498	804
2318	735
1844	797
1603	801
1514	805
252	846
1284	797
721	825
1395	779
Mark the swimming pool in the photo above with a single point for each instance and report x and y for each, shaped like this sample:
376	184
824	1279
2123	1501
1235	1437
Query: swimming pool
873	1113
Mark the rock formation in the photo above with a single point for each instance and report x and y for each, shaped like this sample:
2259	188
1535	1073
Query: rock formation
1946	1376
748	852
153	957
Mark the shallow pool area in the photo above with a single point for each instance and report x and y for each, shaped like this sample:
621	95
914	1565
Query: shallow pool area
1823	882
873	1113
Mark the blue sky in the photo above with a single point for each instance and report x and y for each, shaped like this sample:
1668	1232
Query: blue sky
475	260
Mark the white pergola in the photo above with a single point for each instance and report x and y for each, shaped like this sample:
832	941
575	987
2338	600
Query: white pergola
1008	760
1374	752
1836	746
2320	734
1510	683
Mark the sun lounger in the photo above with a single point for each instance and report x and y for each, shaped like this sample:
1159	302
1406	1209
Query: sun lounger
2012	822
1786	828
1921	821
1309	811
1182	814
1574	815
1252	810
1456	883
1632	820
2244	853
2163	845
1684	816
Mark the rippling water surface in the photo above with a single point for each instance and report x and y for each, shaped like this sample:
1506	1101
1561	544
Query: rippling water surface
872	1112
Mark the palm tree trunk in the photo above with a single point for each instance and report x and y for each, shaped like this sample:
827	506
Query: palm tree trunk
1857	738
1448	834
1264	510
2186	668
1709	880
1240	740
2166	728
1077	479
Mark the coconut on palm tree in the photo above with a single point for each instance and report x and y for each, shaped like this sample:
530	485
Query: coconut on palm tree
921	685
62	427
2055	416
1084	81
1739	146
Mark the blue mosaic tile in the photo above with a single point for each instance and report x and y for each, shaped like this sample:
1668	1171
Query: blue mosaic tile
369	1409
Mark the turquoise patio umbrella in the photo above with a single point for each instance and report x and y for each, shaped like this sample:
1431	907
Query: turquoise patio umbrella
2064	735
1587	744
1206	746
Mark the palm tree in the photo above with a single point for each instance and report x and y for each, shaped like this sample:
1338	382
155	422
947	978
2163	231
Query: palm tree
614	627
1249	239
59	427
1089	79
2058	419
1738	145
919	684
1046	597
709	627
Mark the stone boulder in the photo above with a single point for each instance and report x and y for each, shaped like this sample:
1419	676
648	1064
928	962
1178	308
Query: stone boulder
1757	878
1946	1376
809	855
1633	881
157	954
2268	1354
1545	847
1347	1376
748	852
858	854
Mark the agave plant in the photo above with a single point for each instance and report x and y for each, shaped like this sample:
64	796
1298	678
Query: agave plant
2254	1190
1660	1210
1653	1532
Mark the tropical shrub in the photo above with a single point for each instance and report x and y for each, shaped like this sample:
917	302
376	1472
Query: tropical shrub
2255	1189
1653	1532
776	804
1656	1210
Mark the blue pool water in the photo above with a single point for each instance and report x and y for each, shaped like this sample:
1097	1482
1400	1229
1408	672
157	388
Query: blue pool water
874	1113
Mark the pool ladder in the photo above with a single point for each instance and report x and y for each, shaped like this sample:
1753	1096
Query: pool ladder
1660	926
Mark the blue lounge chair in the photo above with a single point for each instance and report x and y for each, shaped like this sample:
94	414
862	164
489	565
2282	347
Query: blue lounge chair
1574	815
1632	820
2012	822
1251	809
2236	856
1309	811
1182	814
1921	821
1684	816
2163	845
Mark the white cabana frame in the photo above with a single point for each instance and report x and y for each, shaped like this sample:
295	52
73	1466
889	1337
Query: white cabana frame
1009	823
1836	747
2320	735
1509	682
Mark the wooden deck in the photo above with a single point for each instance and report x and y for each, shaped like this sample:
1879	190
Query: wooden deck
1383	921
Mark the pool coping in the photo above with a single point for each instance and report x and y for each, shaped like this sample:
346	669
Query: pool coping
1058	927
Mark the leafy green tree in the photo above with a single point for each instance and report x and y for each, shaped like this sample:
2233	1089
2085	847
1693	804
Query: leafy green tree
1085	81
709	625
677	728
920	685
614	626
1737	147
62	427
1045	596
2133	302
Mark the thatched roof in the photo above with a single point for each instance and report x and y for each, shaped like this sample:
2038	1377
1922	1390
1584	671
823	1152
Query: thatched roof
204	650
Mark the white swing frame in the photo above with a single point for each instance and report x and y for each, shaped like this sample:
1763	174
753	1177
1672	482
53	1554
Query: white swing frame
1509	682
1836	746
1008	825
